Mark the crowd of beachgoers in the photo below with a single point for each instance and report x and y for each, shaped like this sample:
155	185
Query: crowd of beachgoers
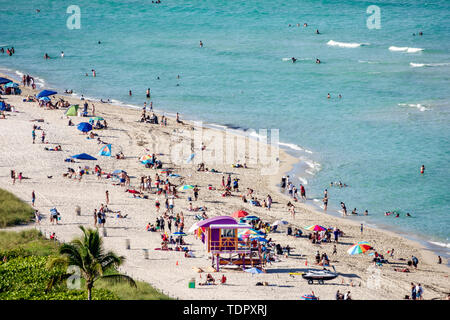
145	206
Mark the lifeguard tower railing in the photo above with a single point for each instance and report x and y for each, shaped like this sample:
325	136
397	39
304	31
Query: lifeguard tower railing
229	246
223	238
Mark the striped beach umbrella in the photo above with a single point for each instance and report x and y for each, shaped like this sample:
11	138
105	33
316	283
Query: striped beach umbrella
359	247
186	187
316	227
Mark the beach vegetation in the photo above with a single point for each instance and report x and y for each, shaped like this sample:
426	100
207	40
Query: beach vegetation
13	211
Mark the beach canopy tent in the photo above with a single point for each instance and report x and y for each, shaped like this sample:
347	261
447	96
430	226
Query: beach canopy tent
46	93
72	110
4	80
105	151
84	127
83	156
93	119
11	85
239	214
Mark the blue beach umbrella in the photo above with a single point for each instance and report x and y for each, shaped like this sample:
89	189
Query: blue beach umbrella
83	156
259	239
46	93
45	99
118	171
180	234
11	85
4	80
84	127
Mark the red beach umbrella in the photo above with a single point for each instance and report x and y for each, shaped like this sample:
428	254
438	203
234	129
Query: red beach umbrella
239	214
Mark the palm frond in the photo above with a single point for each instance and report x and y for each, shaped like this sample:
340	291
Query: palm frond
119	278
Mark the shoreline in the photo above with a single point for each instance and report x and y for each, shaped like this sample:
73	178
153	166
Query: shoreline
290	168
118	117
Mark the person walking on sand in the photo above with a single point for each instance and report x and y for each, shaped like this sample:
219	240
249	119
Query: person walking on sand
93	109
107	196
303	192
33	135
33	198
43	136
95	218
13	176
334	250
419	292
362	227
413	291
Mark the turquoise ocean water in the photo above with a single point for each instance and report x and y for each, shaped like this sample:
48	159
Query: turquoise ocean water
393	117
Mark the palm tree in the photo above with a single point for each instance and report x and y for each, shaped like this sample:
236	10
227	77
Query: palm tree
87	254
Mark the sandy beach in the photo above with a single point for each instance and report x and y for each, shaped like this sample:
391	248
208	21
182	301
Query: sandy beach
170	271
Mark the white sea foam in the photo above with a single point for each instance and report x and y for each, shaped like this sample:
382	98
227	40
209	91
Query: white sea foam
419	106
419	65
440	244
346	44
291	146
303	180
405	49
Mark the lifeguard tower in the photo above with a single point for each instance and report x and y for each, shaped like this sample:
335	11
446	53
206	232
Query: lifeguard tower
220	236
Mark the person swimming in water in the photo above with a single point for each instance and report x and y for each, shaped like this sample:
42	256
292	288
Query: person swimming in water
408	215
328	96
317	31
422	169
317	61
293	60
201	44
354	211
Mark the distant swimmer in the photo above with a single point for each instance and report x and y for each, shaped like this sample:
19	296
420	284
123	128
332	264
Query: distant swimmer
328	96
93	72
37	10
62	54
366	213
178	76
397	215
293	60
305	24
87	74
148	93
408	215
340	96
354	211
317	61
46	56
420	33
422	169
201	44
129	93
317	31
157	78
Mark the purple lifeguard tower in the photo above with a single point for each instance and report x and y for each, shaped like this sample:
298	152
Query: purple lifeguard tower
220	236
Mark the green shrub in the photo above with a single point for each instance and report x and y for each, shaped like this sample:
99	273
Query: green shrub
13	211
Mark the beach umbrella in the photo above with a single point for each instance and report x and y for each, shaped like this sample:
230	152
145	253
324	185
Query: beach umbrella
105	151
146	157
316	227
174	175
253	270
4	80
118	171
44	99
239	214
250	218
96	119
186	187
309	297
259	239
132	191
179	234
46	93
11	85
359	247
83	156
193	228
84	127
280	222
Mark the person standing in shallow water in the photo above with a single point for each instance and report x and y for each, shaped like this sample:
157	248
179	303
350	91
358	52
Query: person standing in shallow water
422	169
148	93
